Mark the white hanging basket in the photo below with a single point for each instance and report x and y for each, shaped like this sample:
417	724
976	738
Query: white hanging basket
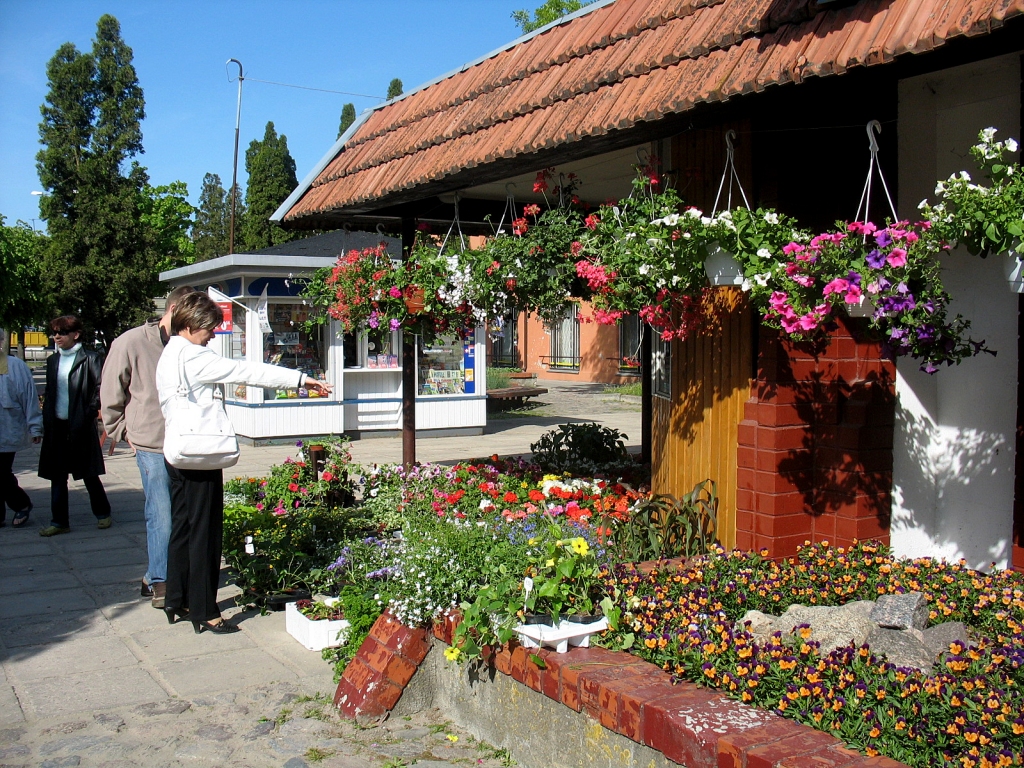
567	634
863	308
1014	268
722	267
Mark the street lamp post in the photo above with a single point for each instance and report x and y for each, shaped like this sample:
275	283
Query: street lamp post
234	167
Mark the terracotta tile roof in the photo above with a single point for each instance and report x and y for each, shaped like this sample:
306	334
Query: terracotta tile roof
613	67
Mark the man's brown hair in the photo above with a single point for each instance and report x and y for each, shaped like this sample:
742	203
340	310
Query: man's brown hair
195	312
177	294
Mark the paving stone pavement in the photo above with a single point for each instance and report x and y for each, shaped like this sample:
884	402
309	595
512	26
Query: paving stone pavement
92	675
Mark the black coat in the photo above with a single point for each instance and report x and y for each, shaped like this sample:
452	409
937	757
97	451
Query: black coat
83	454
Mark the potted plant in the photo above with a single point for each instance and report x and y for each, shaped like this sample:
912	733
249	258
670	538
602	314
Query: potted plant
317	624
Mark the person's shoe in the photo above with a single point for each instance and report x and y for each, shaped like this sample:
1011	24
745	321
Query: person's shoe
104	522
159	593
147	589
21	517
53	530
220	628
173	614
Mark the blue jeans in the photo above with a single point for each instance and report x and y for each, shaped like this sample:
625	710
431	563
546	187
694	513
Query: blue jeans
157	487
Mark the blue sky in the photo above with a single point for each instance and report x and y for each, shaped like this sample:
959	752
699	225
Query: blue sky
180	49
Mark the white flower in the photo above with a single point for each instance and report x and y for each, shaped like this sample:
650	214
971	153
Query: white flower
686	235
745	285
630	235
764	253
694	213
675	280
644	269
923	204
1011	145
762	279
988	134
964	176
654	241
771	217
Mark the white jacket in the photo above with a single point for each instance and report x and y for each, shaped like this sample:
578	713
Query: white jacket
204	369
19	407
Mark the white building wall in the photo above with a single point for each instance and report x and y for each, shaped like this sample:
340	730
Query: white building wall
953	470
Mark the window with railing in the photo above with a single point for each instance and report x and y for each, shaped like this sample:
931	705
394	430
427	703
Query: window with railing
629	345
505	342
565	341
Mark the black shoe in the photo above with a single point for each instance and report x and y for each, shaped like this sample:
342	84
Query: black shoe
147	589
218	629
173	614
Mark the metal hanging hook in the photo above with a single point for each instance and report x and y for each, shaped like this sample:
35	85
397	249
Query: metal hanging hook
730	136
380	228
873	128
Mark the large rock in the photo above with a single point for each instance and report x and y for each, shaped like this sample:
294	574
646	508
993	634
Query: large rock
760	624
906	611
832	626
937	639
901	648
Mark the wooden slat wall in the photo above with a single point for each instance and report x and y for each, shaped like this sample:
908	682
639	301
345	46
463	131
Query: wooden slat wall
695	432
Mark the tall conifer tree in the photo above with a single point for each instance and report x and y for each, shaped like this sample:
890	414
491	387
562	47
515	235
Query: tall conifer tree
210	231
271	171
102	261
348	116
394	89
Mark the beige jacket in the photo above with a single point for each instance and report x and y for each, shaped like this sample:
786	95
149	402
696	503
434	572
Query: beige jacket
130	407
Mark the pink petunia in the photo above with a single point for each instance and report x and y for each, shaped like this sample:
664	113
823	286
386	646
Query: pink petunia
839	285
853	295
805	280
897	257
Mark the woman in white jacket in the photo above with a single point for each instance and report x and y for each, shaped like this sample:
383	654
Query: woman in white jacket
20	418
197	495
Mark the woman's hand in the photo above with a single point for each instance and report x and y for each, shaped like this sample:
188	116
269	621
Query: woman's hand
321	386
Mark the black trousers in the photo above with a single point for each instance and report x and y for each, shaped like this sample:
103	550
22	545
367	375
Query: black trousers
59	483
197	535
11	494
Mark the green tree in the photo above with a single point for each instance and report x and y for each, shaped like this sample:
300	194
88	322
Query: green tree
272	178
552	10
168	214
103	256
213	219
348	116
394	89
22	303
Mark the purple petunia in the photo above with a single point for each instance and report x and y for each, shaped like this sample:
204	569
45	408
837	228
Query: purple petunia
875	259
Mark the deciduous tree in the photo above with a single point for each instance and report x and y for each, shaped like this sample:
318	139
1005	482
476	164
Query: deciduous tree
22	303
272	178
552	10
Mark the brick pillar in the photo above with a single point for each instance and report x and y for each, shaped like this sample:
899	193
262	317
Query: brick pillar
815	445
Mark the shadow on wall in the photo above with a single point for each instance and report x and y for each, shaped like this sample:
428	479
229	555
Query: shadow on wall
949	461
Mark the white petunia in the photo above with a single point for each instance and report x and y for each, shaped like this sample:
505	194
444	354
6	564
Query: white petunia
644	269
764	253
1011	145
771	217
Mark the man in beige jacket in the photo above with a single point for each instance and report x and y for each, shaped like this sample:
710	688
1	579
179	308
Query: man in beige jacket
131	411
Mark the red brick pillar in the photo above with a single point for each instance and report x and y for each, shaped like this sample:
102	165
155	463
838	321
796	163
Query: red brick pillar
815	446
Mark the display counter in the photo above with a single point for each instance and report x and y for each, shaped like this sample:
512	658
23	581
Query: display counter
364	368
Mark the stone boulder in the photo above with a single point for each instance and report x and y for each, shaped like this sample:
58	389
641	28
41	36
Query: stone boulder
905	611
901	648
937	639
832	626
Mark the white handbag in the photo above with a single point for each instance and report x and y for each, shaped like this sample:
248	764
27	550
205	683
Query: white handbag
197	435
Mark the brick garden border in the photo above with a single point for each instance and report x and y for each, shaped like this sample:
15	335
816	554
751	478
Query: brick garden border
690	725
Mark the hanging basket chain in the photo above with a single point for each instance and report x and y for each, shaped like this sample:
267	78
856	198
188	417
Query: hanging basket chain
729	172
874	127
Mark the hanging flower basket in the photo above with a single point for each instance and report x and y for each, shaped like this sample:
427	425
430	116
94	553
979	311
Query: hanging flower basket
865	307
722	267
415	299
1014	268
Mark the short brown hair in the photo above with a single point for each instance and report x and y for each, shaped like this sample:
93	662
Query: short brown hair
66	324
177	294
195	312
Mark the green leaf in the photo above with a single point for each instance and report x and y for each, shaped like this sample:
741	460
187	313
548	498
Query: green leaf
541	664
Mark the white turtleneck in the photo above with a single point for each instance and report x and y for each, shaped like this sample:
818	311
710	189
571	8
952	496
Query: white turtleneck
67	360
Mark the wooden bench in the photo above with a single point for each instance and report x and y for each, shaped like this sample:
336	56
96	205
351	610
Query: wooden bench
514	397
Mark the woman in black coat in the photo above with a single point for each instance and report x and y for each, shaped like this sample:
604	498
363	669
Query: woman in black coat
71	443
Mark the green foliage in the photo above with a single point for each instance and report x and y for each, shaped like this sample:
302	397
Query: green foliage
271	170
348	116
552	10
361	611
394	89
21	259
103	259
499	378
213	218
168	214
636	388
663	527
580	448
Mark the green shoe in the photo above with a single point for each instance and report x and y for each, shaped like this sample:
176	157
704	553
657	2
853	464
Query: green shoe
53	530
104	522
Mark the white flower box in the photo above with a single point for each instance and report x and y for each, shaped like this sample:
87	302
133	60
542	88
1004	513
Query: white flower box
567	634
721	267
315	635
863	308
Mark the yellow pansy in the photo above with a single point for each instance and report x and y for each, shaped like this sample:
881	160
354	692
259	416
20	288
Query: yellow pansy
580	546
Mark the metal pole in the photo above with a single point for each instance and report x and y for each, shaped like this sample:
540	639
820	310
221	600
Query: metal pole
646	393
408	363
234	167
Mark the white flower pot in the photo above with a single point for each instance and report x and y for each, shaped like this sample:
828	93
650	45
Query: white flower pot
567	634
863	308
315	635
722	267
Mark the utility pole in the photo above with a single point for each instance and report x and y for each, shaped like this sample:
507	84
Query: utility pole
234	167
